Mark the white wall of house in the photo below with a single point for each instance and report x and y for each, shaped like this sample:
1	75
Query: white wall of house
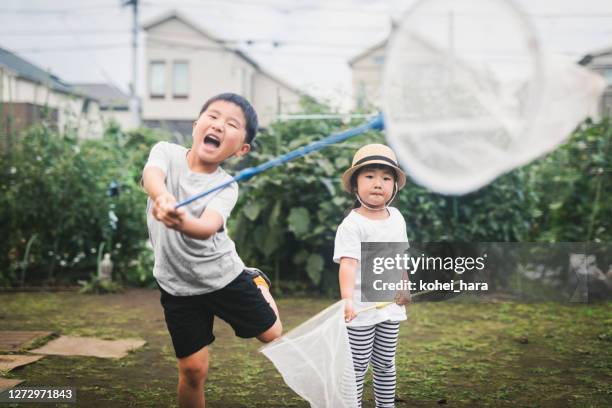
73	112
124	118
367	71
211	68
273	98
602	64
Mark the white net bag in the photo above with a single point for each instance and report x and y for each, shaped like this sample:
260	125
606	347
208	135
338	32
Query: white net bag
468	95
315	360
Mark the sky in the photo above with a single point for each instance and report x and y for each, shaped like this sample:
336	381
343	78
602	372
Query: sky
307	43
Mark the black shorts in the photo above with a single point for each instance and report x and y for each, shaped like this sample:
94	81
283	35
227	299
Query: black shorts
190	318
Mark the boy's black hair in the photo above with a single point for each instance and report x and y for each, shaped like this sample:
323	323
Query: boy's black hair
247	109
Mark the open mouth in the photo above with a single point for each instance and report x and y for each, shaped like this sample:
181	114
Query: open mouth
212	140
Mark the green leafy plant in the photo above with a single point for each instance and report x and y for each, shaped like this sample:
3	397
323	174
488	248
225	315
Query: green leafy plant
55	187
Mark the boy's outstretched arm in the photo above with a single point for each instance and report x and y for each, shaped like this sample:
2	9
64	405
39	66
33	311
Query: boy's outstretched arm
154	183
201	228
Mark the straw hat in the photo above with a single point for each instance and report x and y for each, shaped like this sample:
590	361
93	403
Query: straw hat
373	154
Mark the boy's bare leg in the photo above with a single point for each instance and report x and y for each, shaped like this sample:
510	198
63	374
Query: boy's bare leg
276	330
192	375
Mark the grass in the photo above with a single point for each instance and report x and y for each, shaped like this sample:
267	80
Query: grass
470	354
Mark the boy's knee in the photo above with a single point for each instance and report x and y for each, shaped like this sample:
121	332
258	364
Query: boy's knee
194	371
272	333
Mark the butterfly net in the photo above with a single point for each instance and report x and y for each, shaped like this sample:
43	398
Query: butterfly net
315	360
468	94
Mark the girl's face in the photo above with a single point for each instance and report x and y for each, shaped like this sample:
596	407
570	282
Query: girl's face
375	186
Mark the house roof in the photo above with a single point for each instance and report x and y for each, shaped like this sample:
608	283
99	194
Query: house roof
367	52
31	72
174	14
109	96
589	57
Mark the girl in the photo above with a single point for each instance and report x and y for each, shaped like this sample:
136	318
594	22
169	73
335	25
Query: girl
374	178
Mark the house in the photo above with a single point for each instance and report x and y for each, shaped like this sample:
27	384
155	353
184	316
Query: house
185	65
114	103
368	67
601	62
367	71
29	94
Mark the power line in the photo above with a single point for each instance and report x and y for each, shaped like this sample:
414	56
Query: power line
34	33
574	16
276	43
73	48
362	8
294	8
175	44
73	10
248	42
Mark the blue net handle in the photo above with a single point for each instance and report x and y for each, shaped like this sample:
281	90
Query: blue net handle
376	123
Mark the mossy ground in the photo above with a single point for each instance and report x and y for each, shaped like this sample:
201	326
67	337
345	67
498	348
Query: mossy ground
500	354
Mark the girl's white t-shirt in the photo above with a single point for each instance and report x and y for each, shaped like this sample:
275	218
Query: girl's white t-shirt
354	230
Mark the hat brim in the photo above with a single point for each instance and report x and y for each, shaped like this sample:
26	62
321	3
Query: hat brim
346	176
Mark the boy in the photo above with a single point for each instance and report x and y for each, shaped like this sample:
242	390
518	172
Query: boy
198	271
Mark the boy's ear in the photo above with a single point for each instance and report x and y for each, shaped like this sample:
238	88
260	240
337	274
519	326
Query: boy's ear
193	125
244	149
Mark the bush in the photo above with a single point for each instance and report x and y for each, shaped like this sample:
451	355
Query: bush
56	188
286	218
55	203
573	186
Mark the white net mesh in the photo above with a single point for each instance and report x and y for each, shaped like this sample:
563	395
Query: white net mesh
468	95
315	360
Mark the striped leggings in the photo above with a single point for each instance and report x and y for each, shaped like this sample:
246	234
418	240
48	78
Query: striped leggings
375	344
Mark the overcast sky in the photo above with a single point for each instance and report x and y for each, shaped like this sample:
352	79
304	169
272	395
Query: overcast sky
305	42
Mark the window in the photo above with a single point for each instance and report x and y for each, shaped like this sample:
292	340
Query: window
378	60
361	95
244	82
180	79
157	79
607	73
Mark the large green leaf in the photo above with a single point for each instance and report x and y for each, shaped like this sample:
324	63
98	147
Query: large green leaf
329	185
251	210
275	214
272	240
300	257
299	221
314	268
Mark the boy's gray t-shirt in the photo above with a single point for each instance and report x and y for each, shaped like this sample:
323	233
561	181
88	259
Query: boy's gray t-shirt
185	266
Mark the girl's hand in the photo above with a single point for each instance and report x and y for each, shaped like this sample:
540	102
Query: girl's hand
349	311
403	298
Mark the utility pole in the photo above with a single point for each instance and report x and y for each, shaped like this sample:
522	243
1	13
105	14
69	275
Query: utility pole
134	101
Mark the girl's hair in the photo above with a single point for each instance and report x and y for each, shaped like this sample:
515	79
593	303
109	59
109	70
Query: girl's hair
374	166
